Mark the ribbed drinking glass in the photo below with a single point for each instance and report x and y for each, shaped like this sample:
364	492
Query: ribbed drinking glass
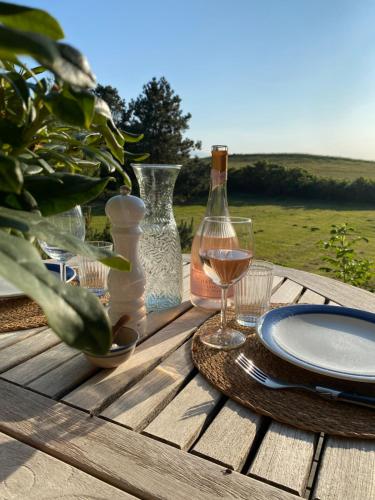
93	274
253	293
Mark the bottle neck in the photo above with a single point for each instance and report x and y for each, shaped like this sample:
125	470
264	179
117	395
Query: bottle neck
217	204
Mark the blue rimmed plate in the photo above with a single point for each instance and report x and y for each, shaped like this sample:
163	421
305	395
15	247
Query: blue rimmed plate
7	290
334	341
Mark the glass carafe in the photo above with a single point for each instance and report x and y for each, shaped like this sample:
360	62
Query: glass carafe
160	248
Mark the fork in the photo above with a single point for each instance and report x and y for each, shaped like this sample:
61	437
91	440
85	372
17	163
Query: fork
273	383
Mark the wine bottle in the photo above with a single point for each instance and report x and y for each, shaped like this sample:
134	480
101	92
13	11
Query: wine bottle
203	292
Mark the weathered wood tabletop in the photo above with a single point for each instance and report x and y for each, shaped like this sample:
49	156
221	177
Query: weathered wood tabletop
154	428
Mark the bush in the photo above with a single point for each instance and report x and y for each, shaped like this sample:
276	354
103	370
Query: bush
342	259
193	180
277	180
273	180
186	234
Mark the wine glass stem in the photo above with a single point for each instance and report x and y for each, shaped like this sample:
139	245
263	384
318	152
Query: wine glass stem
223	316
63	271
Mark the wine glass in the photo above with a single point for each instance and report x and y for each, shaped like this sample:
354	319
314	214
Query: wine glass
71	222
226	251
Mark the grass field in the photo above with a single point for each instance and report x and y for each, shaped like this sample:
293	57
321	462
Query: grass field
324	166
286	232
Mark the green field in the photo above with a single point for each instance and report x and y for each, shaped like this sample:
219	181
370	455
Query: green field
324	166
286	232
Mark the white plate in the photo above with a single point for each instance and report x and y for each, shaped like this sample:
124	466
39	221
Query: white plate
7	290
335	341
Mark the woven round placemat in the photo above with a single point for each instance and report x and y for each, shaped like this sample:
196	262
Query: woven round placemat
23	313
297	408
20	314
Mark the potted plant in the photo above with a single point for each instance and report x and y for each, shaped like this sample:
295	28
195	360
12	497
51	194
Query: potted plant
58	148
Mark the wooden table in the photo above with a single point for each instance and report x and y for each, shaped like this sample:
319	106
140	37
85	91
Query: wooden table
154	428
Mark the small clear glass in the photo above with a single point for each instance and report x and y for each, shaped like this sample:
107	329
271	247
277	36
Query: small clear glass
252	295
93	275
71	222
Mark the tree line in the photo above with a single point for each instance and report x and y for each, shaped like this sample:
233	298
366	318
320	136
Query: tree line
157	113
274	180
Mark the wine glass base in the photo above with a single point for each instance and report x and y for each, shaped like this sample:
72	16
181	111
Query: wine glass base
226	340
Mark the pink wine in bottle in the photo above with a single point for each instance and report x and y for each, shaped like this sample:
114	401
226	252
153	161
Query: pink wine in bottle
203	292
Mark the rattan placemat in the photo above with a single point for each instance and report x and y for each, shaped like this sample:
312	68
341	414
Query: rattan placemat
23	313
20	314
294	407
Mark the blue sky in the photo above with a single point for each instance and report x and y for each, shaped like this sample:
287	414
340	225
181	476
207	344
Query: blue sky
258	75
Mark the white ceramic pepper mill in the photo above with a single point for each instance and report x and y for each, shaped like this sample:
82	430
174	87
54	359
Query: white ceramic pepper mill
126	289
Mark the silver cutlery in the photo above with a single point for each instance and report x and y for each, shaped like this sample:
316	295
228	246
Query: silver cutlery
272	383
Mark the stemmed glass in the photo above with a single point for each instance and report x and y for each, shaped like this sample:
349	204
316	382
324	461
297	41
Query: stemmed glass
226	251
71	222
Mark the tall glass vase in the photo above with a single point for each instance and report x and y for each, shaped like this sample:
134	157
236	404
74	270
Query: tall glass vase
160	248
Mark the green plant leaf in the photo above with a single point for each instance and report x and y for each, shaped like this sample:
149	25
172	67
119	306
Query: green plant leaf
22	201
86	101
62	191
11	177
136	156
15	42
66	109
62	59
31	20
31	157
33	72
110	163
31	169
102	108
52	153
113	145
73	313
41	228
19	85
8	65
73	67
128	137
106	158
10	133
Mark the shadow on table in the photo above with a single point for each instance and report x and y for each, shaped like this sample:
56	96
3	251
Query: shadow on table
40	423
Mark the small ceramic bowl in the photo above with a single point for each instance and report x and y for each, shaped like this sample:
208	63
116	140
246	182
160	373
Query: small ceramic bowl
125	342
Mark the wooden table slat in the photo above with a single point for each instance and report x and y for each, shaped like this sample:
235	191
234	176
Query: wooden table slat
64	377
32	474
285	457
123	458
108	384
287	293
139	405
276	282
31	346
347	470
186	289
7	339
339	292
310	297
228	439
159	319
34	368
182	420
